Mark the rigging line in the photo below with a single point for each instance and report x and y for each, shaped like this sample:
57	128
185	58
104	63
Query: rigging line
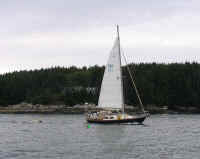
119	47
133	82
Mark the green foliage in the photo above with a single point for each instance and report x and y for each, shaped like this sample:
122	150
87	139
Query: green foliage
158	84
57	85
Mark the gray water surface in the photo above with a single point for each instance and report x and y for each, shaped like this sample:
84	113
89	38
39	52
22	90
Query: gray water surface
68	136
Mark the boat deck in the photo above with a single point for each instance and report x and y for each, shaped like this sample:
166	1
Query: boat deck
129	119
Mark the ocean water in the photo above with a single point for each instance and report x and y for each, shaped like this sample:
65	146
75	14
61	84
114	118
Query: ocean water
69	137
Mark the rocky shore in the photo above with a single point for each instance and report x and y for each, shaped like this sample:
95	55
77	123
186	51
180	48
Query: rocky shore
23	108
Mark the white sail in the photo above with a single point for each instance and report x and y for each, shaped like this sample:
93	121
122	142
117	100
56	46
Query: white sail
111	94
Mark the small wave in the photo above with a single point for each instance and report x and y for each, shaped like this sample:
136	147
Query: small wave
27	151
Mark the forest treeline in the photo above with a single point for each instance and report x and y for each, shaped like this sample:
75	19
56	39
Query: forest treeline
176	84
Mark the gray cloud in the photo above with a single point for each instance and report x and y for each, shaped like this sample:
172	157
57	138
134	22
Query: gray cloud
47	33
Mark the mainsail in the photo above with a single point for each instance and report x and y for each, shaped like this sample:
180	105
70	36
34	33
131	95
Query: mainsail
111	94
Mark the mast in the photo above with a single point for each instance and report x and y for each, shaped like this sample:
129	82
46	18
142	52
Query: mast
120	70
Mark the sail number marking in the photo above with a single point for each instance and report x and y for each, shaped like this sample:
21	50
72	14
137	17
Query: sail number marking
110	67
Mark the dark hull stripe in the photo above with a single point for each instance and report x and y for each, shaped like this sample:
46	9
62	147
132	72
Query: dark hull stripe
133	120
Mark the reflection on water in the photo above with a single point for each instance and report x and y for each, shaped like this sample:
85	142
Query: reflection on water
109	137
68	136
109	133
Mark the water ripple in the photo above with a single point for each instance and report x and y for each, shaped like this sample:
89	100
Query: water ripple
67	136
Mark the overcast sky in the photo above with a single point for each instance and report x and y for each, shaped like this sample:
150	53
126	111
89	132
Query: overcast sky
45	33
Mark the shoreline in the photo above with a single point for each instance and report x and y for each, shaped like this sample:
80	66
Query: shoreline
26	108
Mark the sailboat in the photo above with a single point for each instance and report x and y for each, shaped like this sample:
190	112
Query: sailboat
111	97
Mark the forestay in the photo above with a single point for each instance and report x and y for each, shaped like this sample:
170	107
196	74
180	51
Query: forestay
111	94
